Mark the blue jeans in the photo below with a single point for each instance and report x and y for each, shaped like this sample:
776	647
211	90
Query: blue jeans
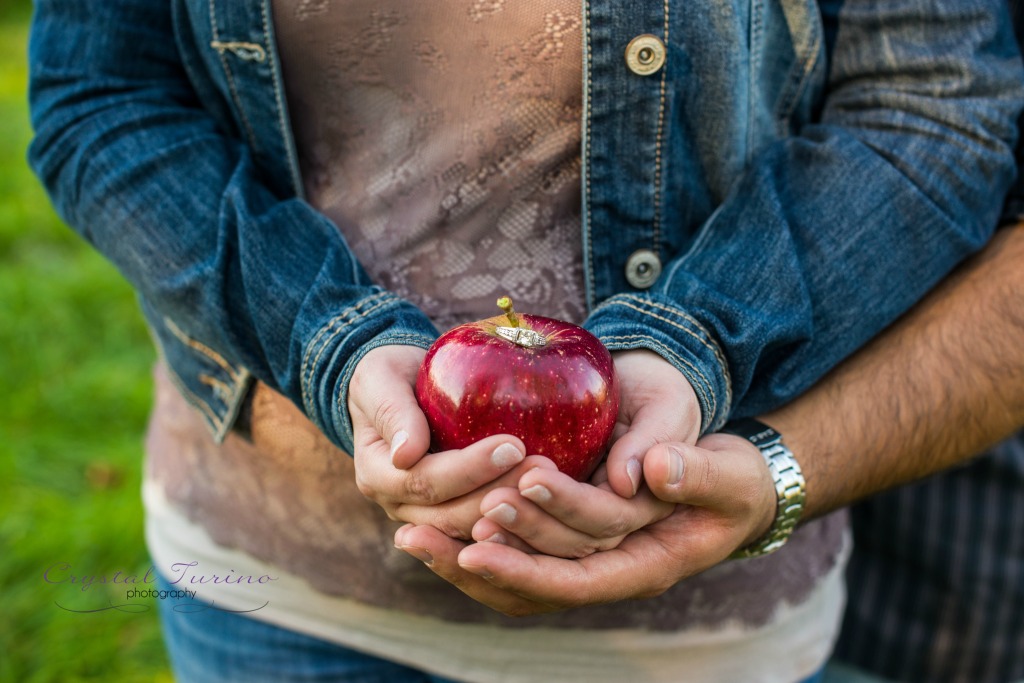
212	646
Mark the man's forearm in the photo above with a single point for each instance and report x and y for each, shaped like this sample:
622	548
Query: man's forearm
938	387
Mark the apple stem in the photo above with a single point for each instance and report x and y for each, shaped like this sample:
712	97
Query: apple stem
505	304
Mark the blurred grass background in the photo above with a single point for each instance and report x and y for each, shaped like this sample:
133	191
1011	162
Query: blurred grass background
75	387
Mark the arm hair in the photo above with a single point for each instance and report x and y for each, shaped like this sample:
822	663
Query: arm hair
938	387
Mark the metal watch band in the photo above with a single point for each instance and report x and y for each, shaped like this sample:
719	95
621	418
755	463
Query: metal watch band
789	485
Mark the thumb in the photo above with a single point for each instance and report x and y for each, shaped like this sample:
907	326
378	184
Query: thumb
725	473
655	422
382	401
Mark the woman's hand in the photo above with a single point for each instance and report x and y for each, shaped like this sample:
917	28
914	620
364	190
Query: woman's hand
391	441
657	405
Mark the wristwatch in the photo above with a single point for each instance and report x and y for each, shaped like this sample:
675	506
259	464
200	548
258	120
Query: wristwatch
789	484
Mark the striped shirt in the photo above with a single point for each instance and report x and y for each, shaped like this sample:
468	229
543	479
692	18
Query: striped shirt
936	581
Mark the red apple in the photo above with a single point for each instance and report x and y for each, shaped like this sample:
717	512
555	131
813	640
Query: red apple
548	382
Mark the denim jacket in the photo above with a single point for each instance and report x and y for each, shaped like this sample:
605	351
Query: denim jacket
790	179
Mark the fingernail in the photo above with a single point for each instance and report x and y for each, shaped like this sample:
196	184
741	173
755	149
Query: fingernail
537	493
397	441
400	535
496	538
633	468
504	514
506	455
675	467
421	554
479	570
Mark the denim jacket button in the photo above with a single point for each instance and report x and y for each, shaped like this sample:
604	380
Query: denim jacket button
643	268
645	54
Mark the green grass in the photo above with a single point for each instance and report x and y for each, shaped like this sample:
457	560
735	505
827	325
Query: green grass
75	391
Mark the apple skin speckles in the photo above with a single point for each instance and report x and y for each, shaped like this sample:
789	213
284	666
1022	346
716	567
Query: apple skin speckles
561	399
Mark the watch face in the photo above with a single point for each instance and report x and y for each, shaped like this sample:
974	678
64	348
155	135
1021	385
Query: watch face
753	430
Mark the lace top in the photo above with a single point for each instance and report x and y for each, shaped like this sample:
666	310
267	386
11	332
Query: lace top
444	141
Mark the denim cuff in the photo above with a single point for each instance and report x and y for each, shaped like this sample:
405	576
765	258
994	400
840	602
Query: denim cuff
332	355
632	321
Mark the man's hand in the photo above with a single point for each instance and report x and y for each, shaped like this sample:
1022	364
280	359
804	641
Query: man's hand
725	500
391	441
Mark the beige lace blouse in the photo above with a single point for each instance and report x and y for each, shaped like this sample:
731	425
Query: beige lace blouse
444	141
